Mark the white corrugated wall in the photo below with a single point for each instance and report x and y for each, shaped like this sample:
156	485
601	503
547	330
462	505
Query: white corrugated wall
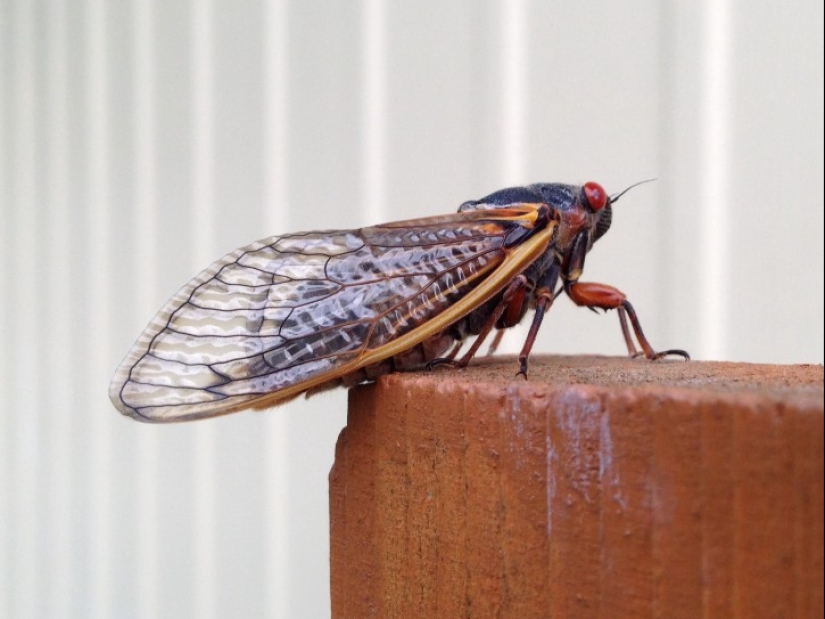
141	140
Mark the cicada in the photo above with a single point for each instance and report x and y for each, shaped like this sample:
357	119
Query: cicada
304	312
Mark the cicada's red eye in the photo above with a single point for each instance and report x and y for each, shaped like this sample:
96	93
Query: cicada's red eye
595	195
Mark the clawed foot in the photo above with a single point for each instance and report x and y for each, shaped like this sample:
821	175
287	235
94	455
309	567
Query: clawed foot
443	362
674	352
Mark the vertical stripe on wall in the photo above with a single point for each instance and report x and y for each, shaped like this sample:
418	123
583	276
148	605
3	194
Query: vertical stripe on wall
274	219
145	282
715	200
203	201
59	330
100	454
25	411
515	71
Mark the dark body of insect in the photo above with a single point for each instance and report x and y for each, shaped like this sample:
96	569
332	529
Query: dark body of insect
307	311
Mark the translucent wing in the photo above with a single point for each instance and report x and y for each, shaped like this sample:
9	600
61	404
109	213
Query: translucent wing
289	312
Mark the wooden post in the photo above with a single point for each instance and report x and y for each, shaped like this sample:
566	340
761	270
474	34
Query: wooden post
601	487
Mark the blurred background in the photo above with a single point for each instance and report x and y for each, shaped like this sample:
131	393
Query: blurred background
141	140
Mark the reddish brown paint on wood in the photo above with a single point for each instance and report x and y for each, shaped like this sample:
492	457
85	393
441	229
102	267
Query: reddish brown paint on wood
601	487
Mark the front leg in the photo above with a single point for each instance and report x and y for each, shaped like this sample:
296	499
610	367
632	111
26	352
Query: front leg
606	297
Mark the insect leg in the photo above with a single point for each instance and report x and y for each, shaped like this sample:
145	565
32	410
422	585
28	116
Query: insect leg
515	288
453	352
544	299
512	315
628	339
607	297
496	341
627	308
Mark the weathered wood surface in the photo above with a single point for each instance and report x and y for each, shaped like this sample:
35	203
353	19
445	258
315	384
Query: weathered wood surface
601	487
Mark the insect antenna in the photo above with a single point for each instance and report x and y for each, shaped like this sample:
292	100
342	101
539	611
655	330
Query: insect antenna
616	196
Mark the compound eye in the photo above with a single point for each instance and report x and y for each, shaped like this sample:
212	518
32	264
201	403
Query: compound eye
595	195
